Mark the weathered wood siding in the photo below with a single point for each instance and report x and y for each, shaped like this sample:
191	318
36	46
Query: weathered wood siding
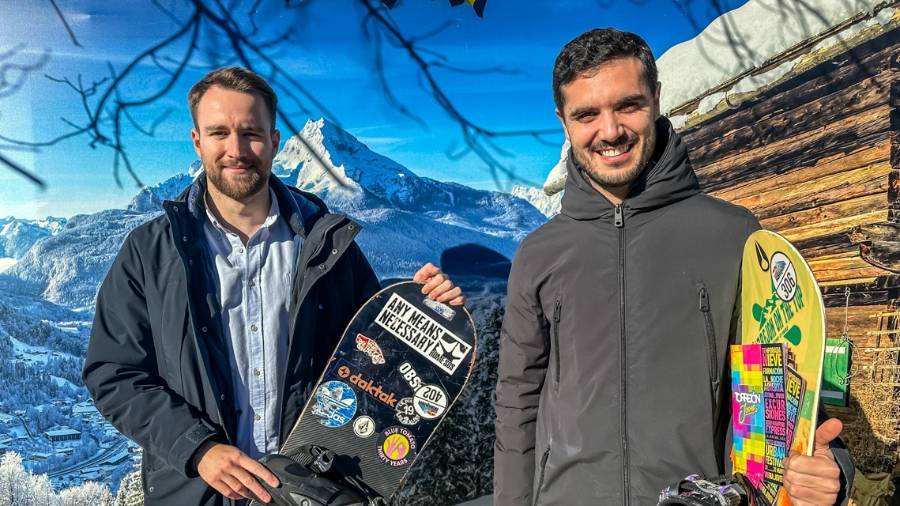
816	158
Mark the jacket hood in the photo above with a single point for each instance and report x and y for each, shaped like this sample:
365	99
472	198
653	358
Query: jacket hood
668	178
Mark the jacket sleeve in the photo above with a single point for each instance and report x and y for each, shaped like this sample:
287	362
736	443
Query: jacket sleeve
524	352
121	371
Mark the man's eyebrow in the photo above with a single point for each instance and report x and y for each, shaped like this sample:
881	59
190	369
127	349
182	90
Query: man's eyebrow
578	111
638	98
213	128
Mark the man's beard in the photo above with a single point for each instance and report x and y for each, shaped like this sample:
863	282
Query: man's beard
615	178
240	187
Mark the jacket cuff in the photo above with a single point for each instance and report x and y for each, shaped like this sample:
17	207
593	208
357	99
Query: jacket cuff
181	455
848	471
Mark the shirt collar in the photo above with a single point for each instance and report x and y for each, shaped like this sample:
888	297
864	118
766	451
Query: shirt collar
272	217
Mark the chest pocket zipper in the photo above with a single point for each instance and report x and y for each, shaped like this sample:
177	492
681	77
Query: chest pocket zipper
557	309
537	495
711	347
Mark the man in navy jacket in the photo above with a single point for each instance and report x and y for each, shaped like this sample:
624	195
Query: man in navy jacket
217	318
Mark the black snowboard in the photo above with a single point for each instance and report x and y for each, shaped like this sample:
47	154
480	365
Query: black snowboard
401	363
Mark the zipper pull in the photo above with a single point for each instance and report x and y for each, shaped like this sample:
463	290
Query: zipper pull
619	218
556	311
704	300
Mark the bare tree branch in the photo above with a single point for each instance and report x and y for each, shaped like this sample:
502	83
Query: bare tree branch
65	23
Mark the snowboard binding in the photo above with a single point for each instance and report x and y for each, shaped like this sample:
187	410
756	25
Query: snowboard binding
308	480
695	490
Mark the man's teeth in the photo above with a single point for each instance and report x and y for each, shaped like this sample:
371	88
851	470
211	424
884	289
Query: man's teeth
616	151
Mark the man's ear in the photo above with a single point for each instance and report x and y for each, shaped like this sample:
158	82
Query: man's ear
276	140
656	98
562	121
195	138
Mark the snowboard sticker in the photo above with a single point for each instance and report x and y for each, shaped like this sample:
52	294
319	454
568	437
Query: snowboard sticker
402	362
777	371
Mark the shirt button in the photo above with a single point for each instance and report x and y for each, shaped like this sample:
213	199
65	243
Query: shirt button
258	418
254	328
256	372
252	283
241	250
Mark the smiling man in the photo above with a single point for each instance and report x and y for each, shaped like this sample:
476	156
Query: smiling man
612	381
217	318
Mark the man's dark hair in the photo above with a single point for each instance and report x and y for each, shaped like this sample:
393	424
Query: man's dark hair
585	53
234	79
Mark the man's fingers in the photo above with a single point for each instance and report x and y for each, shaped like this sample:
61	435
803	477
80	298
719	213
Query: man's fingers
261	471
233	487
249	484
827	432
449	294
432	283
426	271
459	301
440	289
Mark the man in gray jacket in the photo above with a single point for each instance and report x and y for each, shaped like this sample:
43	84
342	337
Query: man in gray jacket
612	378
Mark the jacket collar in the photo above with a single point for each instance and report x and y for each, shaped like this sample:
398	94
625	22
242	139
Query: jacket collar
667	179
299	209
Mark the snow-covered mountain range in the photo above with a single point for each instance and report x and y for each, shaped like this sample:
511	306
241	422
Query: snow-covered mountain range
407	220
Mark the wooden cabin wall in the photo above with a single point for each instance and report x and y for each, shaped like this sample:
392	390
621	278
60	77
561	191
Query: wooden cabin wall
813	158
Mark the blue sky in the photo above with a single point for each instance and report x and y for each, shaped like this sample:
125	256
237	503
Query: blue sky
332	59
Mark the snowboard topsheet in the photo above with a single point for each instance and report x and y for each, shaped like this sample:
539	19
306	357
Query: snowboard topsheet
401	363
777	370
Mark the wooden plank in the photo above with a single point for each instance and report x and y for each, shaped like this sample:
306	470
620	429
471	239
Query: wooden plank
828	216
800	150
826	166
824	245
870	182
863	61
803	115
870	292
859	322
838	225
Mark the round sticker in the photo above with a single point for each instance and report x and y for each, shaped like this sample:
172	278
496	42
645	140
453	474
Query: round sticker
396	446
784	277
430	402
364	426
406	413
335	404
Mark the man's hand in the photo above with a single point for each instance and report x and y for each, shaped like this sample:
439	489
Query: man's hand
233	474
438	286
815	480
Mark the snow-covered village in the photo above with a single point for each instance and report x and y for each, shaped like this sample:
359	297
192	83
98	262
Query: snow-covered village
788	109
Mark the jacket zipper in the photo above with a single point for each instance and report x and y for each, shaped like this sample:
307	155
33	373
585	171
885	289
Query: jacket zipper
556	318
619	221
711	348
544	458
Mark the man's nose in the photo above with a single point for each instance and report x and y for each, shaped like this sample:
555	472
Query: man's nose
234	147
608	129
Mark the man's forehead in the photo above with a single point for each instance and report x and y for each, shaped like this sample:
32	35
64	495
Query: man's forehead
618	78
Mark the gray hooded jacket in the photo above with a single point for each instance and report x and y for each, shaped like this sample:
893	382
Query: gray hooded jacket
612	372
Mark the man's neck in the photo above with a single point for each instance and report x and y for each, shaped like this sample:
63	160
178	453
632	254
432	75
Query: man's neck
615	194
241	217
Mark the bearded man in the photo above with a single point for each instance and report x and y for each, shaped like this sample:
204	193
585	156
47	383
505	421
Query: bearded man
217	318
613	381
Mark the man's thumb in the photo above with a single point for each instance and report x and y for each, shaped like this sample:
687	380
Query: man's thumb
827	432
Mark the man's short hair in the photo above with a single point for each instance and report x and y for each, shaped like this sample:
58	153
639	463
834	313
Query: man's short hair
586	53
234	79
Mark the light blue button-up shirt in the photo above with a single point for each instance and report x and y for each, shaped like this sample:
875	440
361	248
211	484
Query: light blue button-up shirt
254	284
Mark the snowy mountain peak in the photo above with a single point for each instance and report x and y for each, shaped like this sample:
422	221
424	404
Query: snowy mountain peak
150	198
329	161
